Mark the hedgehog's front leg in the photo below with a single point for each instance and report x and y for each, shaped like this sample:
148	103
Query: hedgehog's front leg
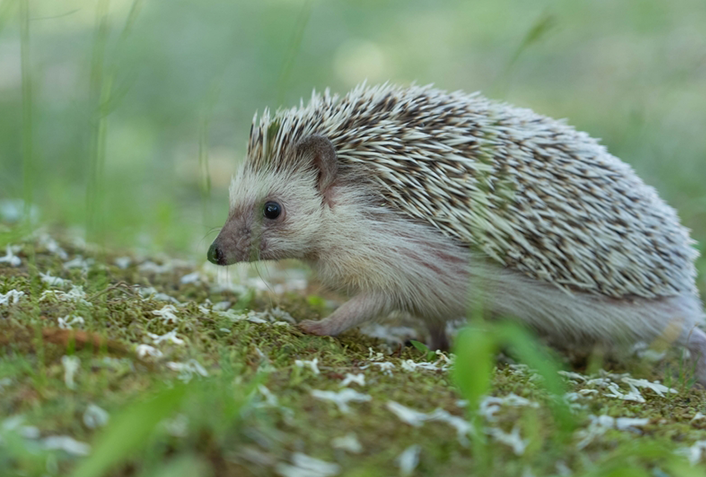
357	310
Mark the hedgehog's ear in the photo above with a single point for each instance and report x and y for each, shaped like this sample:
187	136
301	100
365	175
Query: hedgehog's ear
322	155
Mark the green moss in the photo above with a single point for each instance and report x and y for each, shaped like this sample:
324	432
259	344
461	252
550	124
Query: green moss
229	426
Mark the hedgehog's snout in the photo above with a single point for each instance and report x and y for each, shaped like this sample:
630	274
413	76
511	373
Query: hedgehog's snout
215	254
233	245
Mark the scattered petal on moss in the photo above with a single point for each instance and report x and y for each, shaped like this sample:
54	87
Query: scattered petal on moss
353	378
171	336
69	321
95	416
305	466
408	460
10	258
67	444
311	364
348	443
71	366
513	439
144	350
167	313
11	297
341	398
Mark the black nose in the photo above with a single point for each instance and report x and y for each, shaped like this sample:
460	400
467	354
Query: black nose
214	254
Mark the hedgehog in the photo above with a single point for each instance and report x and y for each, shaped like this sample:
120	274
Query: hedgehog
417	200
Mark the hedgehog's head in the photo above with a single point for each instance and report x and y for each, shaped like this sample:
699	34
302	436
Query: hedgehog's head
276	205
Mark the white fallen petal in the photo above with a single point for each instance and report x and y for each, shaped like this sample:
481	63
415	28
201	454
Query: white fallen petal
52	246
407	415
353	378
270	399
29	432
95	416
53	281
462	426
348	443
490	405
571	375
151	293
11	297
67	444
313	364
305	466
178	426
632	395
79	262
71	366
151	267
221	306
562	469
190	278
409	365
341	398
256	317
571	397
69	321
10	258
171	336
659	389
76	294
123	262
408	460
385	366
599	425
147	350
630	423
188	369
695	452
167	313
512	439
416	419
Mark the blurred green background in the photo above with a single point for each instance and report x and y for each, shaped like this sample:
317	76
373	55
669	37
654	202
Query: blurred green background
140	111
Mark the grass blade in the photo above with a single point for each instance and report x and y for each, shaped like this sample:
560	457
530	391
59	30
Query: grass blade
130	431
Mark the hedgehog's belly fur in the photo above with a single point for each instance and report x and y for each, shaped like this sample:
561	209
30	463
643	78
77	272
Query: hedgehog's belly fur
396	264
439	285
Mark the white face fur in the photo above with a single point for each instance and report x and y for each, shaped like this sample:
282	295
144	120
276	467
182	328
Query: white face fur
273	215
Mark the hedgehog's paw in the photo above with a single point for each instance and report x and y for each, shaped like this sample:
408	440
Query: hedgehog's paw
318	328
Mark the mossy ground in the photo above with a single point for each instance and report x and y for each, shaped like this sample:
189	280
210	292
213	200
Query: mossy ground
226	395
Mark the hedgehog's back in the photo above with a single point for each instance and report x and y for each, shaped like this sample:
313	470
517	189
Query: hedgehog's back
530	192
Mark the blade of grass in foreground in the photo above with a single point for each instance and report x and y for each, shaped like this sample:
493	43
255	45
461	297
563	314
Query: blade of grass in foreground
299	29
204	172
5	12
475	358
97	93
184	466
130	431
539	29
530	352
28	167
475	350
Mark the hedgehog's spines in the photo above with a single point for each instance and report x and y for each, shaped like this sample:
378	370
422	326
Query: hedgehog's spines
531	192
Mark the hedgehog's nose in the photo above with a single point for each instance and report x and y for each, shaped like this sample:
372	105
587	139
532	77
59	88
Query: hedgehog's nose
215	255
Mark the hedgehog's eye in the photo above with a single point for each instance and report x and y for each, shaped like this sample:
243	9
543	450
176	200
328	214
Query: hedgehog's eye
272	210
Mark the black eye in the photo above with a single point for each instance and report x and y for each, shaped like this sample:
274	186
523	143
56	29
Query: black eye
272	210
